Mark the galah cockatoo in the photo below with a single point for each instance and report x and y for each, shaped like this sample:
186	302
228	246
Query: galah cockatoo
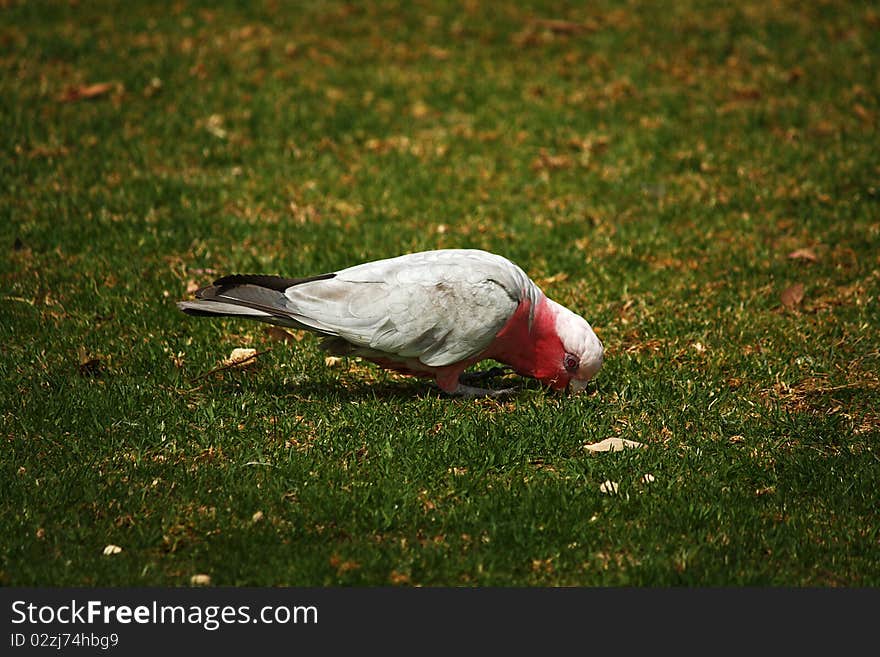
430	314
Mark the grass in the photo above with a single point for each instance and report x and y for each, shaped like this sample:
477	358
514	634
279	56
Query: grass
652	167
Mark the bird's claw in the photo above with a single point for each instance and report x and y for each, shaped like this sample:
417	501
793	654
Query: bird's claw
486	375
469	392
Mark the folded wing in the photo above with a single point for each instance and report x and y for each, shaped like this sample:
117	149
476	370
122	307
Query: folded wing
440	307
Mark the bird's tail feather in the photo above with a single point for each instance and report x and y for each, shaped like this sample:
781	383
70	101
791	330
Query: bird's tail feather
253	296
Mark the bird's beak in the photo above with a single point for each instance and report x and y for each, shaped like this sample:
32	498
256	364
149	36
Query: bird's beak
577	385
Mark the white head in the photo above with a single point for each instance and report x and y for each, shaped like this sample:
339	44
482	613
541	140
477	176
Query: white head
583	350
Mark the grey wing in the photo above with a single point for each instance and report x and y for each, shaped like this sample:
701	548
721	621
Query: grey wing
440	307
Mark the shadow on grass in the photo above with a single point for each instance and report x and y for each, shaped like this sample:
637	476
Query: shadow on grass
348	390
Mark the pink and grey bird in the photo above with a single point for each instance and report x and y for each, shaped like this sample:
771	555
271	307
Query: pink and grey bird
430	314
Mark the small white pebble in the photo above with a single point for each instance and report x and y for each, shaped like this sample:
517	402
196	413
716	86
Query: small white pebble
257	516
648	478
112	549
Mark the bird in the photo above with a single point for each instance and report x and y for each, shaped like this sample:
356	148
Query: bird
430	314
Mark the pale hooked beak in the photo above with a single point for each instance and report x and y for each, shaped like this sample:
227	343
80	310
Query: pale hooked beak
577	385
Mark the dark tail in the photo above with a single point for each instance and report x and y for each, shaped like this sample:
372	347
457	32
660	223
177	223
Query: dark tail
254	296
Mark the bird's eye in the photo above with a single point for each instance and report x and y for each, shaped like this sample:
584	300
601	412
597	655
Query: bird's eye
570	362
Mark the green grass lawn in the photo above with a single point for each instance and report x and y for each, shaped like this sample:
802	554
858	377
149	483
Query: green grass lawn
673	172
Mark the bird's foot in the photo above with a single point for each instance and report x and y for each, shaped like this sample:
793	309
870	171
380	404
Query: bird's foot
486	375
469	392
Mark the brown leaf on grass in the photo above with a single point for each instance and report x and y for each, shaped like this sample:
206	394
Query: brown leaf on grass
343	566
594	144
746	93
441	54
420	109
803	254
85	92
550	280
398	578
88	365
558	26
547	162
280	335
793	295
794	74
823	128
863	113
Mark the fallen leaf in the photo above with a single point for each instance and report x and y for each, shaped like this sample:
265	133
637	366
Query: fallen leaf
609	487
793	295
803	254
420	109
547	162
257	517
214	125
612	445
863	113
85	92
550	280
332	361
343	566
558	26
240	357
747	93
648	478
399	578
91	367
191	286
88	365
112	549
280	335
154	87
200	580
178	358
